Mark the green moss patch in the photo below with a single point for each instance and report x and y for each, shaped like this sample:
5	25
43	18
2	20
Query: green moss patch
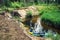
52	18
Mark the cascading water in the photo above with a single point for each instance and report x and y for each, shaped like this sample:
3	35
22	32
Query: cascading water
38	29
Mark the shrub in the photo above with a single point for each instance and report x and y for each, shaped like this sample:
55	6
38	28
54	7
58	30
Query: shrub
16	4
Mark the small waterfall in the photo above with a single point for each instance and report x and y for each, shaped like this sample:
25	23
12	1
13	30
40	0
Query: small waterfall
38	27
40	31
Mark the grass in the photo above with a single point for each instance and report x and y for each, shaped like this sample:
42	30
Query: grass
16	5
50	14
44	9
52	18
12	6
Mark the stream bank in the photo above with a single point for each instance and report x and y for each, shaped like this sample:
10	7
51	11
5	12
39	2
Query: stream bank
10	30
27	23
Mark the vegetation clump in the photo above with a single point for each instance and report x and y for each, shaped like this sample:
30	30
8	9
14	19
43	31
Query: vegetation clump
52	19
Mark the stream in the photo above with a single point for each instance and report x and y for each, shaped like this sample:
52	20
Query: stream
38	29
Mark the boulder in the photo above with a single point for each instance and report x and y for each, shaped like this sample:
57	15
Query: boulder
34	10
23	14
19	13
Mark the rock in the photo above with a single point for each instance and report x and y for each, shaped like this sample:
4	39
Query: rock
7	14
23	14
34	10
20	13
15	13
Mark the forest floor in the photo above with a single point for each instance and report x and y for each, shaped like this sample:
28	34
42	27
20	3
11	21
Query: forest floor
10	30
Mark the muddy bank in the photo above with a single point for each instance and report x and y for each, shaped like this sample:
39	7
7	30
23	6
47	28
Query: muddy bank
49	27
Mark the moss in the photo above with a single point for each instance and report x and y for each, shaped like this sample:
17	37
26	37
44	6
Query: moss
52	17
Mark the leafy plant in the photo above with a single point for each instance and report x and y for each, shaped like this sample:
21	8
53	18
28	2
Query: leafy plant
16	4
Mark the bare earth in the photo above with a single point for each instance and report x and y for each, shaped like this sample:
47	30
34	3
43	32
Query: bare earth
10	30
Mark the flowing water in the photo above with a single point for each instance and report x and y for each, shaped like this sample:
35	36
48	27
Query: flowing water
38	27
39	30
